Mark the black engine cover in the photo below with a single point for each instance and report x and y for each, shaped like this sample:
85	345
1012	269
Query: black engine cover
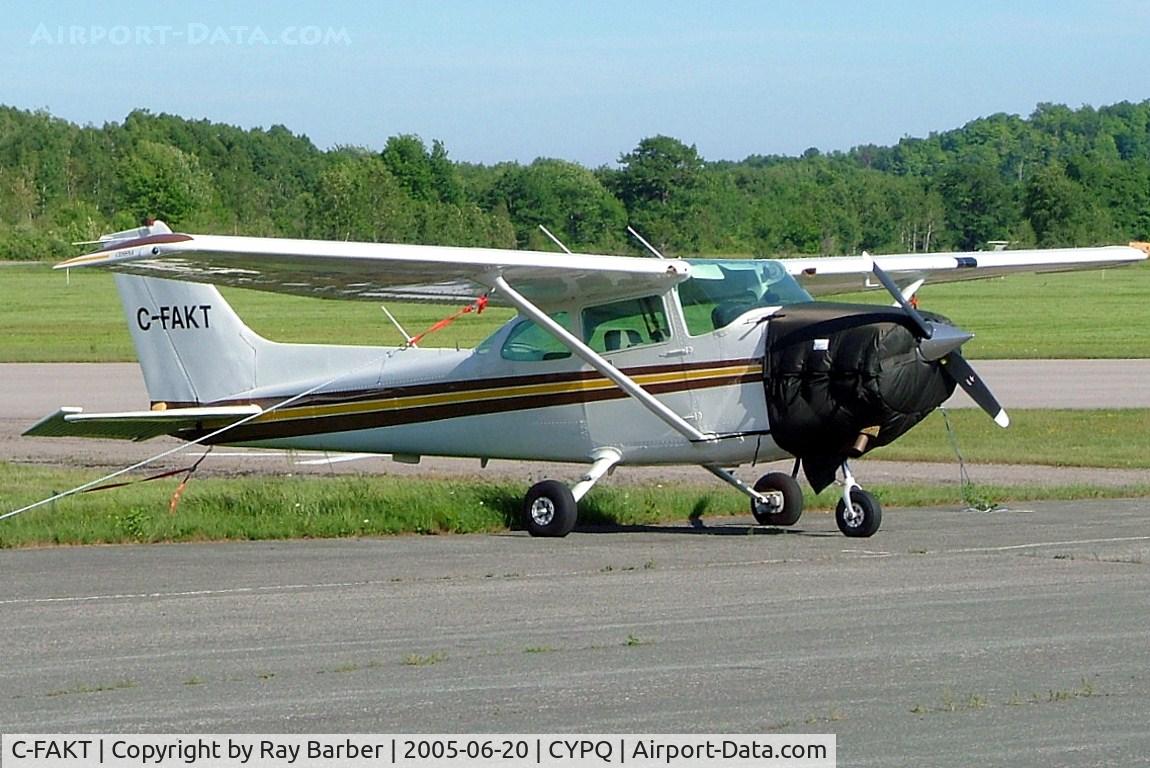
834	370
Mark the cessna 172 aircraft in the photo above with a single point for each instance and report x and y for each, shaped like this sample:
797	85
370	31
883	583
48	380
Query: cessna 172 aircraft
610	361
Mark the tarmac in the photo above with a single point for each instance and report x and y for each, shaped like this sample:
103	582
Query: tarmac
949	639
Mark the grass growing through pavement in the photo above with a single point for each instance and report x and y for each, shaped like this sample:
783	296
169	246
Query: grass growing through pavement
1081	314
266	507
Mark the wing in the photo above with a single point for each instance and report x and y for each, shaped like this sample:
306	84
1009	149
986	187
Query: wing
136	425
843	274
375	271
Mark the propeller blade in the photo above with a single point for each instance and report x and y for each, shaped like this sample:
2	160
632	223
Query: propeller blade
962	372
926	330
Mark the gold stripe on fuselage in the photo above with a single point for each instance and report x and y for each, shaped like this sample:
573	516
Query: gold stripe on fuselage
687	378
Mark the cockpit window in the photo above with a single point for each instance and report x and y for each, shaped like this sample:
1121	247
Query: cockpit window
719	291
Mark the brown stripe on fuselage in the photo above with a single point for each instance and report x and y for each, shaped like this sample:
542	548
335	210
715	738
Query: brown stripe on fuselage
471	385
284	423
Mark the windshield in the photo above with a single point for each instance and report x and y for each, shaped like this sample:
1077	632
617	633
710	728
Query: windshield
718	291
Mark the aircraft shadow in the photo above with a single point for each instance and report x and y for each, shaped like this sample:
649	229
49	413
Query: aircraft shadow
699	528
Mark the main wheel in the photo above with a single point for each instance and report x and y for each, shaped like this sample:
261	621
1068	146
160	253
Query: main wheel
863	518
549	509
792	508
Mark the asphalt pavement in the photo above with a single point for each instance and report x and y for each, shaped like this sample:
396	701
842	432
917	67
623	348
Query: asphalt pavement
1014	638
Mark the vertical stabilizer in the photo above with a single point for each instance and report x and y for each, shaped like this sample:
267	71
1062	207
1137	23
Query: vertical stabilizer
192	346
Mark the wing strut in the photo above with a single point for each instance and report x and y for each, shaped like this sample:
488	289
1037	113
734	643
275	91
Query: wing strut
600	364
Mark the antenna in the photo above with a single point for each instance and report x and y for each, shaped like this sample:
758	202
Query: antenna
554	239
391	317
646	245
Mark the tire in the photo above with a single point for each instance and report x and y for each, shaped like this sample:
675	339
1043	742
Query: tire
792	507
864	518
549	509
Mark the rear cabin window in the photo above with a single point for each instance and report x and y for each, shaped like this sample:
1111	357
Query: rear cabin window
625	324
527	341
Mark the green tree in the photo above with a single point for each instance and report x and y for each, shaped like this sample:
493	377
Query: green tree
658	183
566	198
427	175
1058	209
979	205
359	199
658	170
162	182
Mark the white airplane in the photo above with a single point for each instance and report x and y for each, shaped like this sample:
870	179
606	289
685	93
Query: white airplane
610	361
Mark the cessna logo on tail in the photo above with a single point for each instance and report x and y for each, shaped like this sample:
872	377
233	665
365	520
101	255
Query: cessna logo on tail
174	317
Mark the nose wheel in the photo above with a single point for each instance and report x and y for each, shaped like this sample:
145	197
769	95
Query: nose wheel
858	513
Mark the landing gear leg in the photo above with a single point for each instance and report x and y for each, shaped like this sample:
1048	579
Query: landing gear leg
858	513
551	509
776	498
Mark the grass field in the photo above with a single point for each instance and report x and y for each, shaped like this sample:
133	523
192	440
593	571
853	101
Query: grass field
51	316
321	507
1062	438
368	505
1099	314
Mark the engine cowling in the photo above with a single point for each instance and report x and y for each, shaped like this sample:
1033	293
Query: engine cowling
842	379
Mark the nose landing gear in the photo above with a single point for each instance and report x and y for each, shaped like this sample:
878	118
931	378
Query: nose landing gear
858	513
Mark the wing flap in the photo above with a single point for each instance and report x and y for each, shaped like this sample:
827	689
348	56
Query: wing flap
843	274
71	421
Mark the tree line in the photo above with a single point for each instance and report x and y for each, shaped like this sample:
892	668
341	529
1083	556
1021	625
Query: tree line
1060	177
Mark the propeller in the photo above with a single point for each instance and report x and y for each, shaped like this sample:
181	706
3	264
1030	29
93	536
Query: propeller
941	342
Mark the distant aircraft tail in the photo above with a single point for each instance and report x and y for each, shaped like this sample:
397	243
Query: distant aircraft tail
192	346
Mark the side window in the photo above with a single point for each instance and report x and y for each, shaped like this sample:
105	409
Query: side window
623	324
527	341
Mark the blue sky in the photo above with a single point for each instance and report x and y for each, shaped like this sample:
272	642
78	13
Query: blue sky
583	81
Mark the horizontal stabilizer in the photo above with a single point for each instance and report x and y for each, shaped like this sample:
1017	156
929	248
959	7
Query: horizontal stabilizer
137	425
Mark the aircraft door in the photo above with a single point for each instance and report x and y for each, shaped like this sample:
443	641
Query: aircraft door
635	336
725	370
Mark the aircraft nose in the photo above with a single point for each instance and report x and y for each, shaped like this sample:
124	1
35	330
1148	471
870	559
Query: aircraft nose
836	373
